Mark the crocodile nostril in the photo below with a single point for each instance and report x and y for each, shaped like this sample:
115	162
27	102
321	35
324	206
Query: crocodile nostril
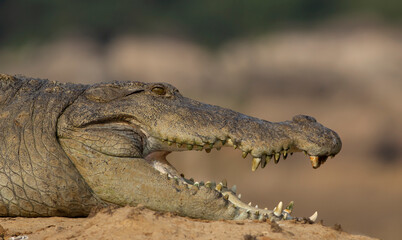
303	118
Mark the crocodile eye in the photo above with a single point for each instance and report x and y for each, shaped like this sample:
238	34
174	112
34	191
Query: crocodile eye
159	90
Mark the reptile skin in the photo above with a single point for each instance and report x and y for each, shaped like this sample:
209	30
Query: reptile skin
65	148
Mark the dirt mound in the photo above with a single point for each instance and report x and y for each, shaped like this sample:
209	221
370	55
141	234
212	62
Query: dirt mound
142	223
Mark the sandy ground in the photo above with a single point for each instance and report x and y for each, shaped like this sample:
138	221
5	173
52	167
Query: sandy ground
141	223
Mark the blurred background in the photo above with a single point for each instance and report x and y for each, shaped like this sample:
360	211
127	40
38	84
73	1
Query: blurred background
337	60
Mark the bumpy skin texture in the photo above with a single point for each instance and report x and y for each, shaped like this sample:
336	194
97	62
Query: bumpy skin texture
36	176
65	148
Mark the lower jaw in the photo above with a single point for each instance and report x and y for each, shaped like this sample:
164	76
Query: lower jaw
158	161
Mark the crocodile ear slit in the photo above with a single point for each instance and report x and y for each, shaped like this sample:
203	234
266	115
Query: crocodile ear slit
108	93
135	92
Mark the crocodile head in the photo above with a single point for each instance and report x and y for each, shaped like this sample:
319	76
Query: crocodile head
119	134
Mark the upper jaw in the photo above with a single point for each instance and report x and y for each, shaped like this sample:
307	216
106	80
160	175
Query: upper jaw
260	158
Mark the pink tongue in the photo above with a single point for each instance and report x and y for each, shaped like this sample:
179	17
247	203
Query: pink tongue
159	162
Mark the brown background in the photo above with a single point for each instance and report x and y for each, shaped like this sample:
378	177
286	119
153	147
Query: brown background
347	76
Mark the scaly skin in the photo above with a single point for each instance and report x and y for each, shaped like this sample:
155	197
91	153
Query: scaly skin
65	148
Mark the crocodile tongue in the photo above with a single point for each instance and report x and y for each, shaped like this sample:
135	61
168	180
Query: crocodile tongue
159	162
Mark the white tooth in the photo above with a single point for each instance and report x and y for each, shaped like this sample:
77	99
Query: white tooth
256	163
278	209
234	189
224	182
314	161
314	216
230	142
249	203
265	208
256	206
239	196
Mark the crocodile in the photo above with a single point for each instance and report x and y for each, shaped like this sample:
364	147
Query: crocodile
67	148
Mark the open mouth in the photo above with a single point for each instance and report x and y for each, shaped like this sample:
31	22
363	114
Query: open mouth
157	159
119	139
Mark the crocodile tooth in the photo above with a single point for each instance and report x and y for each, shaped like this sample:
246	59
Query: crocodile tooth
235	146
226	196
234	189
230	142
239	196
218	144
208	150
257	213
266	209
208	184
169	143
290	207
197	184
248	211
249	204
255	163
224	183
213	184
256	206
285	155
278	209
189	146
315	161
218	148
219	187
305	153
244	154
268	158
277	157
314	216
263	161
